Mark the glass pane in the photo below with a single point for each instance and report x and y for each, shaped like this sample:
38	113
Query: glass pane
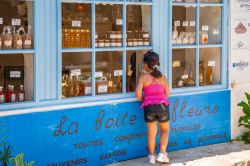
210	25
210	1
210	66
190	1
139	0
76	25
108	25
16	24
138	25
134	68
183	68
16	78
108	72
76	74
184	25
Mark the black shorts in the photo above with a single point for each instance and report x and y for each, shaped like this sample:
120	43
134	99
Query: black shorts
158	112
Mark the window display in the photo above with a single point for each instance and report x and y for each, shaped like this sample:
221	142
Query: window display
16	24
16	78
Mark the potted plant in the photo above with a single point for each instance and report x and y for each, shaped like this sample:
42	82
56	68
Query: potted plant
5	155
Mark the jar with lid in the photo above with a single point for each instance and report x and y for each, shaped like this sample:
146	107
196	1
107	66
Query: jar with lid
101	43
146	42
27	39
17	38
107	43
97	42
119	34
135	42
118	42
112	34
129	34
113	43
140	42
7	38
130	42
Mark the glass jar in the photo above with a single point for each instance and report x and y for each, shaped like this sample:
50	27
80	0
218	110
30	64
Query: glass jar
107	43
7	38
112	34
130	42
118	35
113	43
140	42
118	42
135	42
101	43
78	39
27	39
146	42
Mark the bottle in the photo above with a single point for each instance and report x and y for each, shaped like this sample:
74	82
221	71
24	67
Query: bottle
209	75
10	95
201	73
2	96
21	94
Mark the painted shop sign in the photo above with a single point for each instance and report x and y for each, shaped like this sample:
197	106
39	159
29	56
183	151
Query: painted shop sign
100	135
242	5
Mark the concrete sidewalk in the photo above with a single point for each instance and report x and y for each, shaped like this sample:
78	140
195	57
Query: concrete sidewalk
225	154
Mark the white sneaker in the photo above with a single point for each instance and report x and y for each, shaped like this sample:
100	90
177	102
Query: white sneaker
151	159
163	158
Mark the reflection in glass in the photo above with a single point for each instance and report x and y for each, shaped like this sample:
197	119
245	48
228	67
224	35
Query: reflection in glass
16	24
209	66
183	68
138	25
16	78
108	25
135	68
76	25
108	72
184	25
76	74
210	25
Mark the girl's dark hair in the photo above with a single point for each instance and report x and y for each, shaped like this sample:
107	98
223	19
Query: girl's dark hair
152	60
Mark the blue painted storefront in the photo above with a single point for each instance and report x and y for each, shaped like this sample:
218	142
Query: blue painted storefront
107	133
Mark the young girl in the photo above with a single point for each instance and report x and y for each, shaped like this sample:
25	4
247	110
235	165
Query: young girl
155	105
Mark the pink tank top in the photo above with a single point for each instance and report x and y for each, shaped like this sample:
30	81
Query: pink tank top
154	94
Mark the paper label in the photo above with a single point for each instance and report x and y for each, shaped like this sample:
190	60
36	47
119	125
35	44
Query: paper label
176	63
211	63
1	98
27	42
117	72
16	22
75	72
87	90
8	43
99	74
130	72
102	88
192	23
177	23
185	23
15	74
19	42
1	21
110	83
118	21
76	23
21	97
205	27
216	31
13	97
185	76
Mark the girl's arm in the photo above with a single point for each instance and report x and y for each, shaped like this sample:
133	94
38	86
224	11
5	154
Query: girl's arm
167	92
139	88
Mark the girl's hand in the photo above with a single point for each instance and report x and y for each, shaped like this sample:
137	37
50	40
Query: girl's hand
139	88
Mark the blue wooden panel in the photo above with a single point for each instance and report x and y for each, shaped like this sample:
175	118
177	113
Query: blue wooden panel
99	135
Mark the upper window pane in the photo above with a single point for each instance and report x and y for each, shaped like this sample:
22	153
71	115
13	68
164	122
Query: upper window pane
76	25
210	25
138	25
184	25
210	1
139	0
108	25
16	24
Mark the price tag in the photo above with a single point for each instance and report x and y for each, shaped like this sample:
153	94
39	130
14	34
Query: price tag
192	23
176	63
75	72
102	88
15	74
185	76
76	23
118	21
99	74
177	23
216	31
1	21
205	27
185	23
211	63
16	22
117	72
87	90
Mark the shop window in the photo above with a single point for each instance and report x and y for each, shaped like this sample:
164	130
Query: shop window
197	45
16	78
